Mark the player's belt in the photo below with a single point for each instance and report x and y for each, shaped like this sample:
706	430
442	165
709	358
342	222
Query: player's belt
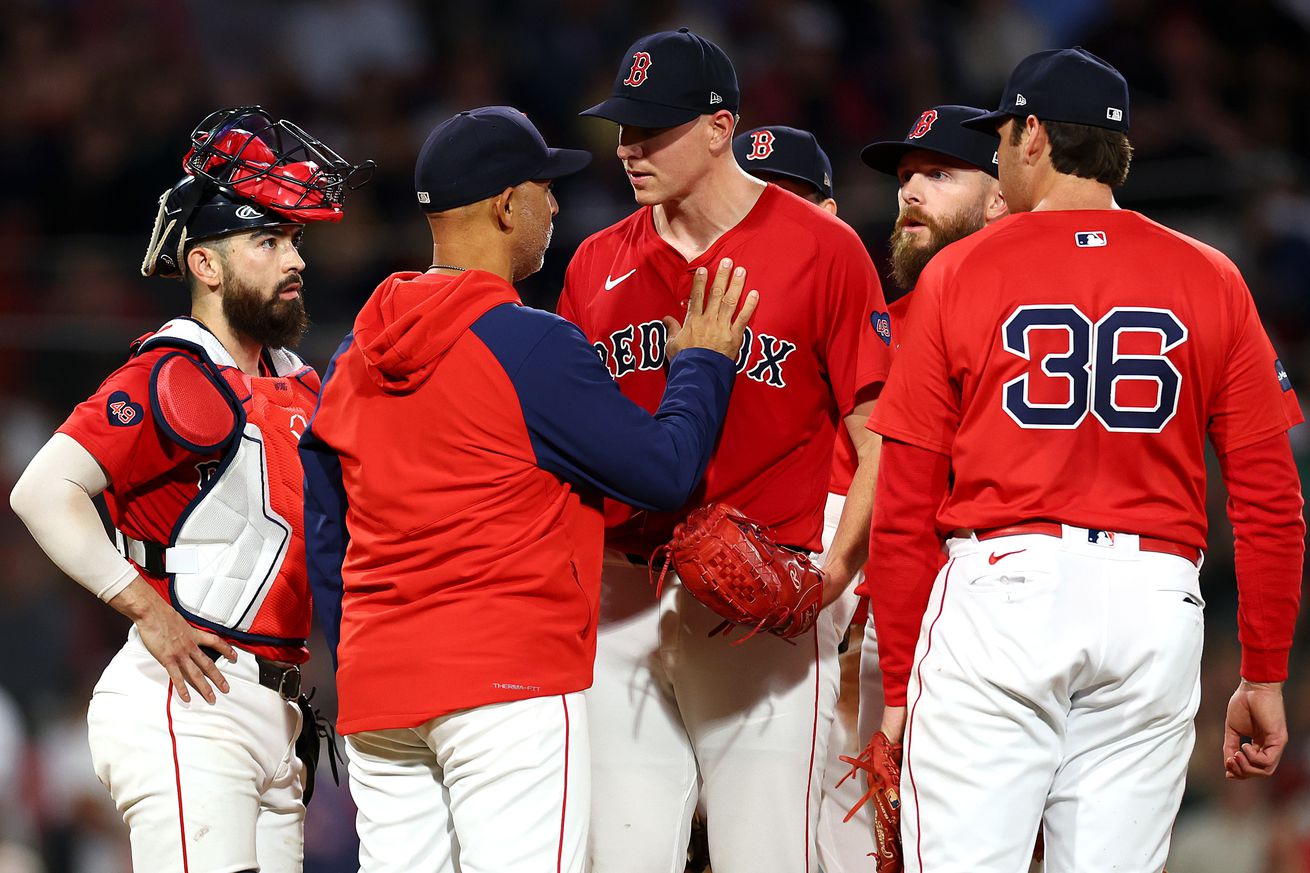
155	558
1055	529
282	678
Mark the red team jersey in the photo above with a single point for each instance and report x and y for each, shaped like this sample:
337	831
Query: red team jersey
877	349
1071	364
153	480
798	373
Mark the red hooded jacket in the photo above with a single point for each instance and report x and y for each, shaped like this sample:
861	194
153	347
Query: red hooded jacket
455	468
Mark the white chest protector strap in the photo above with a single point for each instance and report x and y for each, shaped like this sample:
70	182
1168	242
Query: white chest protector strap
228	545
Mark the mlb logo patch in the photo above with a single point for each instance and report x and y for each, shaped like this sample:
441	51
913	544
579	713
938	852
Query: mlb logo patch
1101	538
1281	372
1114	114
1089	239
882	326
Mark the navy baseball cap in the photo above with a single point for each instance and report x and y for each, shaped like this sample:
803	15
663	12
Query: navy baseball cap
481	152
1069	85
784	151
669	78
939	129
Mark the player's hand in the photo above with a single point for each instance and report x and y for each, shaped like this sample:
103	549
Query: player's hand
1256	714
174	643
710	322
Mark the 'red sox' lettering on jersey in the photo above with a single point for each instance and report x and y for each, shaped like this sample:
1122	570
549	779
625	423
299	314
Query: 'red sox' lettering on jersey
641	347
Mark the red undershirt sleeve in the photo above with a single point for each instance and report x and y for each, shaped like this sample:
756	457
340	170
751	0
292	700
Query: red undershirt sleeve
905	549
1264	505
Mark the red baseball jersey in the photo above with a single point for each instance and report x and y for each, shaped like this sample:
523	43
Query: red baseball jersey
798	372
154	480
1071	365
877	348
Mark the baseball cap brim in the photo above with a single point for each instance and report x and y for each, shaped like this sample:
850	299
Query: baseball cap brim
885	157
769	171
563	162
990	122
638	113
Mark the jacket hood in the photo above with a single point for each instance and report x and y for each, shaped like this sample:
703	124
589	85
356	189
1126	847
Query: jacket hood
413	319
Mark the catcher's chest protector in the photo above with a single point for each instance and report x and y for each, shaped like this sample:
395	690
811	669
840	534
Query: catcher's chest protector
238	546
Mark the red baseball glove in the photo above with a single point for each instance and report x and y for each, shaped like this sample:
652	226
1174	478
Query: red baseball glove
733	566
881	763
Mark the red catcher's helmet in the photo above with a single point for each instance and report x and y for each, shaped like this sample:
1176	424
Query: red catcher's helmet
245	170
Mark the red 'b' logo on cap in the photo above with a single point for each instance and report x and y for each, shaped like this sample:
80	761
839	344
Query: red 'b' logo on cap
924	124
761	145
638	73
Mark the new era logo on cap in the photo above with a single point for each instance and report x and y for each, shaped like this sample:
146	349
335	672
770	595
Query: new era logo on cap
715	98
1020	100
1281	372
1090	239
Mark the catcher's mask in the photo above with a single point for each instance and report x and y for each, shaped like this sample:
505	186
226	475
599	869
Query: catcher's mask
246	170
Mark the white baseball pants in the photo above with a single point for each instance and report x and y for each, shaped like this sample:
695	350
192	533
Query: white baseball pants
679	716
502	788
203	788
844	846
1054	685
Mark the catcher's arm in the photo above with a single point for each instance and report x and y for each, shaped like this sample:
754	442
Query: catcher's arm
53	497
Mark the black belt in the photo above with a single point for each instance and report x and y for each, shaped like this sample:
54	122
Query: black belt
284	680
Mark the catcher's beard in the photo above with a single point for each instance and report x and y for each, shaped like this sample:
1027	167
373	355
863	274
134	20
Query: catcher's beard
276	323
909	257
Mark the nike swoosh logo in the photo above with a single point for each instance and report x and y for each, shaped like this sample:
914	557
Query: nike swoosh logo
610	283
993	558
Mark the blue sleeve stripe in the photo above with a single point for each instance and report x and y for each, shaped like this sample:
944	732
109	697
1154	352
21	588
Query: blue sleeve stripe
326	536
584	430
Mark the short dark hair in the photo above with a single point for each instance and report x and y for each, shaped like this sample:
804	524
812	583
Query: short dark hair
1085	151
220	244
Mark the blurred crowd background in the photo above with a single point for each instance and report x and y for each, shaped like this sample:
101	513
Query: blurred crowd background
99	97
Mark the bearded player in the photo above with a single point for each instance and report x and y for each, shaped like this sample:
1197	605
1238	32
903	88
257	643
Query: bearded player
678	715
1048	417
193	443
947	189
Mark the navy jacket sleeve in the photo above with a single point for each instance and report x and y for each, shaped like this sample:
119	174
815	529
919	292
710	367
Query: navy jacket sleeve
586	431
326	536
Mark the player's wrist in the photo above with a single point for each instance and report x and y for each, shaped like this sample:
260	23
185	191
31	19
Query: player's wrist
138	601
1248	685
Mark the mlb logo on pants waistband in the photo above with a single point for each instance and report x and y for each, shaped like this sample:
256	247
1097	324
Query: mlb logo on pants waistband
1087	239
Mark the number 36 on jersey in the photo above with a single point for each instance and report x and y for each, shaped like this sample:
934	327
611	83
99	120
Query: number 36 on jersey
1116	368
